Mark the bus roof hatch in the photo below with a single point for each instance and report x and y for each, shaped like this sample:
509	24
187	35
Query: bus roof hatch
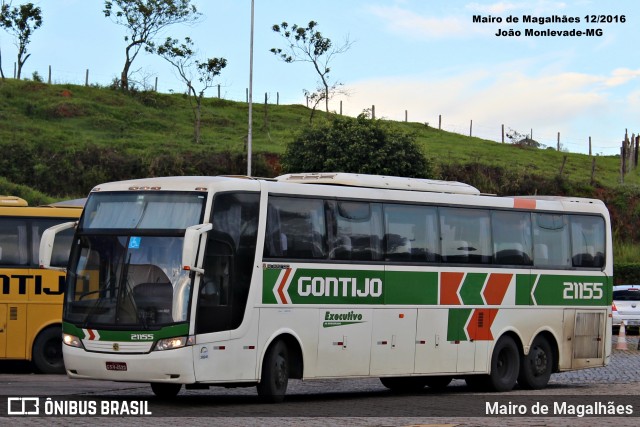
379	181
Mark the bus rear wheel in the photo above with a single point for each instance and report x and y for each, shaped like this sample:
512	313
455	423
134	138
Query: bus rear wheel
275	373
535	367
47	351
505	365
166	390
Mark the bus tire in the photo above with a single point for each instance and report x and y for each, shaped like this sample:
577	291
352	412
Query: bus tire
404	384
439	382
47	351
505	365
536	367
275	373
166	390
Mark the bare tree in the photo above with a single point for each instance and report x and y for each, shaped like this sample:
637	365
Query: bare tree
21	22
144	20
307	44
182	57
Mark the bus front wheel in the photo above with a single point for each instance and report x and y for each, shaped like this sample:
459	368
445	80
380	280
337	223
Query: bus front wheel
47	351
275	373
505	365
165	390
535	368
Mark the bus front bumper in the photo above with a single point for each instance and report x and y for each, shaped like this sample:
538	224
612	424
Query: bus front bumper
169	366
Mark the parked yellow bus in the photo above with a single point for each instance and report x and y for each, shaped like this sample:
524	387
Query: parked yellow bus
31	298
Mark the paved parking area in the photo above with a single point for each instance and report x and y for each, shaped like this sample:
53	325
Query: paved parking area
346	402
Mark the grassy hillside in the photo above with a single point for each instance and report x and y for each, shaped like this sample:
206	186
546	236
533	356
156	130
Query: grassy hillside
66	118
58	141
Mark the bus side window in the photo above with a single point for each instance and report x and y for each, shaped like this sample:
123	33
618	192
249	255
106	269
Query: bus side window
13	242
552	231
411	233
466	235
587	241
358	231
295	228
511	233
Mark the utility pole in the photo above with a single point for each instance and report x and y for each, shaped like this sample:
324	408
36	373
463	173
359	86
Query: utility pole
249	136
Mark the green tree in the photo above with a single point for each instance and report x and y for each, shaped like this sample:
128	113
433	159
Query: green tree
522	140
360	145
21	22
307	44
182	57
144	19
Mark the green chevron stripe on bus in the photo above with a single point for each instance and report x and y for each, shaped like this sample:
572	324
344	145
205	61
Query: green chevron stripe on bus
570	290
471	289
458	318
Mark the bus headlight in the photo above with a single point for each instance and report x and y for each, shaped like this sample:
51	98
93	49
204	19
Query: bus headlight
172	343
71	340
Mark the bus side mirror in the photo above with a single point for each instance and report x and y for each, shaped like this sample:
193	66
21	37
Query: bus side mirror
46	244
190	246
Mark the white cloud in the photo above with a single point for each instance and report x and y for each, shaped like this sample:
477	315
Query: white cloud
549	103
411	24
493	8
621	76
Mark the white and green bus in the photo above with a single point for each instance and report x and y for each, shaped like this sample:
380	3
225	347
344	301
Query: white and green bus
230	281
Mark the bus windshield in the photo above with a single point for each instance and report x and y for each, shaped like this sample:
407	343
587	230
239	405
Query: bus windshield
128	281
126	267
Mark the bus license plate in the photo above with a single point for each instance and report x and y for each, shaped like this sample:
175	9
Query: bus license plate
116	366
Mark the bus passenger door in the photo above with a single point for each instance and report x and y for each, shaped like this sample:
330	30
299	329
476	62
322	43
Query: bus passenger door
3	330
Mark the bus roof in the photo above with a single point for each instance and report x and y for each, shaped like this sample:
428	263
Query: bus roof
12	201
379	181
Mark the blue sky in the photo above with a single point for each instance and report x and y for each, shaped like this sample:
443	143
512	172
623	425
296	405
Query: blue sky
426	57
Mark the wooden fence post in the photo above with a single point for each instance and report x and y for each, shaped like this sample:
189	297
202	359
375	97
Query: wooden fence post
86	78
503	134
406	116
155	85
622	163
470	128
558	141
589	146
218	91
49	79
277	98
440	122
564	161
340	107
